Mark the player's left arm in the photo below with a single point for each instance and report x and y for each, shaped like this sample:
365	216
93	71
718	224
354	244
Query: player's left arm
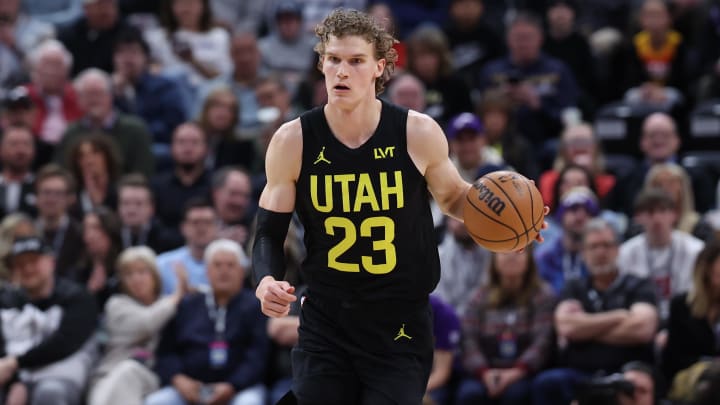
428	148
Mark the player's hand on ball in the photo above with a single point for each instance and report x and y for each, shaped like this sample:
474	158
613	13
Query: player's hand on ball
275	297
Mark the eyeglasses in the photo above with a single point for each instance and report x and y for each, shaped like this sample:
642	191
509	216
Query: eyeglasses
601	244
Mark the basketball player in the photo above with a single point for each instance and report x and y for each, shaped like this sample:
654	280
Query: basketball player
357	171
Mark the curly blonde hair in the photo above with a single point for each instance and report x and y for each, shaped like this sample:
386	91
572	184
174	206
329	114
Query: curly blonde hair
345	22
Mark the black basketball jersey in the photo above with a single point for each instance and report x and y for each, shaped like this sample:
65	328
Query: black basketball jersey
368	227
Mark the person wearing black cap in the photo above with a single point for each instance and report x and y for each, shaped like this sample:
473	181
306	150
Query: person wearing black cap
288	50
17	110
467	147
47	327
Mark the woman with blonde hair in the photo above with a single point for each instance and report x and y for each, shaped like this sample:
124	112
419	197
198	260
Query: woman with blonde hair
430	60
134	319
694	326
674	180
506	331
219	118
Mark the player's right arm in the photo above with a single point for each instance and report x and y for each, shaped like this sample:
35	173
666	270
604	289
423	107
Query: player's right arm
277	202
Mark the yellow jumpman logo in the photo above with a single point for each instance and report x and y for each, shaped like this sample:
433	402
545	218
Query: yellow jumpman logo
401	333
321	157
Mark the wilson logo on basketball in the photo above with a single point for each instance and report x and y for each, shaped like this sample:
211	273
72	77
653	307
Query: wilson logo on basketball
493	202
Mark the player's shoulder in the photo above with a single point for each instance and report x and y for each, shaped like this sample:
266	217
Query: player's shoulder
425	139
288	136
420	125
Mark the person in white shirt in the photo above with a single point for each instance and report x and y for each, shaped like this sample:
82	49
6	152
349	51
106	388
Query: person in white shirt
188	46
463	266
665	255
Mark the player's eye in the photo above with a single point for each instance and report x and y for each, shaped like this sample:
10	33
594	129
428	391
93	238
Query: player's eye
355	61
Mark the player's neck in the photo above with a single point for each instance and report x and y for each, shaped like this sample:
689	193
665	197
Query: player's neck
354	126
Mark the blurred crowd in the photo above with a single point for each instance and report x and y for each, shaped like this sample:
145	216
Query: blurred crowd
132	159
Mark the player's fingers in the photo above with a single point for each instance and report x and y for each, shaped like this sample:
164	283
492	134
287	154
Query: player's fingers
546	210
281	292
276	307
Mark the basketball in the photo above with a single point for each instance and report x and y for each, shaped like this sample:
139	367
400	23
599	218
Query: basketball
503	211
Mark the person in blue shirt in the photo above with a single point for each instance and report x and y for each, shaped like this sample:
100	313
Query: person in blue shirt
541	87
154	98
214	351
200	226
560	259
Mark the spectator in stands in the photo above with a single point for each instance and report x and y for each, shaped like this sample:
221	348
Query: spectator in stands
199	228
246	60
18	110
288	49
52	94
20	33
134	318
602	322
138	91
411	14
189	177
187	46
17	180
506	332
464	266
540	87
95	268
663	254
47	327
466	137
504	143
570	176
136	209
12	227
232	198
708	388
383	14
655	68
58	13
128	133
215	348
407	91
674	180
471	39
276	108
90	38
446	333
561	260
430	60
645	384
239	15
94	163
314	11
219	118
659	143
55	190
692	329
565	43
578	146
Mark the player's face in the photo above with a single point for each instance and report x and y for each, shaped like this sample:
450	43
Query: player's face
350	70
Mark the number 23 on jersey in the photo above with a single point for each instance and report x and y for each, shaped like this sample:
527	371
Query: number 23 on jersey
333	224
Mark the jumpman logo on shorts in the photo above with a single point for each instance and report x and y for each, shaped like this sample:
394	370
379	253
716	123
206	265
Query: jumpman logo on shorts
321	157
401	333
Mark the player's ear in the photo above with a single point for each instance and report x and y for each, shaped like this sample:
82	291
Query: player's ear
380	67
